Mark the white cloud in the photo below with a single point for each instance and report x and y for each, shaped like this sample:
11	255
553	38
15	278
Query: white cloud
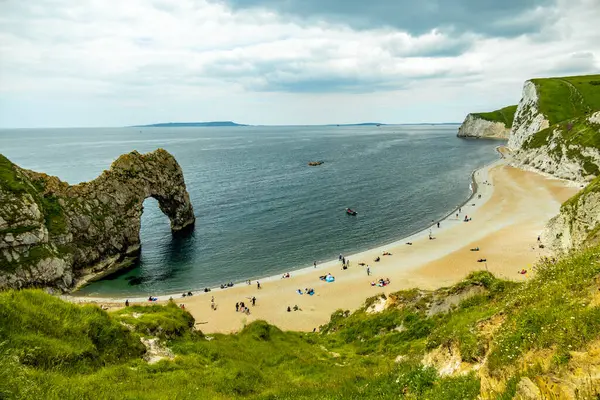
96	62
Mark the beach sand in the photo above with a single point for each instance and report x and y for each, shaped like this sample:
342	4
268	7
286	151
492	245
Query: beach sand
506	221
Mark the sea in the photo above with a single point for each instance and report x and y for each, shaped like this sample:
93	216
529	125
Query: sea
260	209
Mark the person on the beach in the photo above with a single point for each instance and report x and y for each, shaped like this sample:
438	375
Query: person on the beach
213	306
459	210
127	303
289	309
253	301
438	224
258	284
368	271
242	305
237	307
343	260
315	264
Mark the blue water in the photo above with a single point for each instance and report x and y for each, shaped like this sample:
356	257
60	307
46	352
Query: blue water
260	209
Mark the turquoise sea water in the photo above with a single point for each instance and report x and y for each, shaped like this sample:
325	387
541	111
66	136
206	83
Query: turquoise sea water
260	209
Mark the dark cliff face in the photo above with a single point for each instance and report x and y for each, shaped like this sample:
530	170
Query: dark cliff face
60	235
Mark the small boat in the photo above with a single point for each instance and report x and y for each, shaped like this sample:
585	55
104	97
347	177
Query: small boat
350	211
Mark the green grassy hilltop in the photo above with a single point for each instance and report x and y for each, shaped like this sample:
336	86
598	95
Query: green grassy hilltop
565	98
505	115
483	335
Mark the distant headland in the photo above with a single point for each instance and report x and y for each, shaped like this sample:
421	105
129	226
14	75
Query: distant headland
231	123
189	124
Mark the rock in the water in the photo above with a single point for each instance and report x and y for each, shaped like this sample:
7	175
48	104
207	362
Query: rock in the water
60	235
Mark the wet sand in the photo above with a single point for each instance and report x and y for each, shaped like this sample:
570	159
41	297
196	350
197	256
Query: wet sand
512	211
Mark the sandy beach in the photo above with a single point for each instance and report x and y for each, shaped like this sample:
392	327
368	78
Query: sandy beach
508	212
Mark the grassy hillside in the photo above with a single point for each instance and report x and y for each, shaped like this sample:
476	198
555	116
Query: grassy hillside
501	332
504	115
565	98
573	132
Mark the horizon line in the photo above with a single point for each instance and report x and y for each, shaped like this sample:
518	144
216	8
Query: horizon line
234	126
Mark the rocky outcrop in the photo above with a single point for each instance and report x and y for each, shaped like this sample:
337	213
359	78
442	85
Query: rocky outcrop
565	150
578	223
60	235
477	127
528	119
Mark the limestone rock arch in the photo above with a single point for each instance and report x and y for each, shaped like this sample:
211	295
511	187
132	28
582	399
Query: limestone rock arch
56	234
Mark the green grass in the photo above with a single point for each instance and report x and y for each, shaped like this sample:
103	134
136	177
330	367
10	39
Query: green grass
55	350
49	334
155	320
550	311
565	98
8	177
505	115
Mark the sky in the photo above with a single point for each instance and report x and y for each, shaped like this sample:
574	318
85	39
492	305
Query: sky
96	63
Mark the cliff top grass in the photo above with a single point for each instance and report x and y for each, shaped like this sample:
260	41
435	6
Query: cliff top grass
8	177
565	98
505	115
56	350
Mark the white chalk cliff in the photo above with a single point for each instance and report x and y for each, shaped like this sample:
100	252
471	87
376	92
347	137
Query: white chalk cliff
528	119
477	127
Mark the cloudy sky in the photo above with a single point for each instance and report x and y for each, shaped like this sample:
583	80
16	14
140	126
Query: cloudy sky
113	63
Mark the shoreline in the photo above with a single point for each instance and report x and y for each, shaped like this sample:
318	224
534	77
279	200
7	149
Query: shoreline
416	235
514	208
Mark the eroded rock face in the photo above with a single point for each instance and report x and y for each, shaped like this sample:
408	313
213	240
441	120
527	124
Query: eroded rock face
476	127
58	235
578	223
528	119
560	157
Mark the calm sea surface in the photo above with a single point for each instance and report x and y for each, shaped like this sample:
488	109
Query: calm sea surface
260	209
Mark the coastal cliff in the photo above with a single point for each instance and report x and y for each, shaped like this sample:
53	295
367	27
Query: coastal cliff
53	234
557	127
493	125
528	118
578	223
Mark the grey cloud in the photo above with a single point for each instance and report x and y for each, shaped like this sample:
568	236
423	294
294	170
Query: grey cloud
506	18
448	47
573	64
308	77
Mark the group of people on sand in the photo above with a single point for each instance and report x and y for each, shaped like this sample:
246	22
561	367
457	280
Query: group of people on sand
241	306
344	260
286	275
188	294
296	308
381	282
226	285
308	291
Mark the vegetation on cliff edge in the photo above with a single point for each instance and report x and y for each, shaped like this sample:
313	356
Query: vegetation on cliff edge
571	136
505	115
565	98
53	349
